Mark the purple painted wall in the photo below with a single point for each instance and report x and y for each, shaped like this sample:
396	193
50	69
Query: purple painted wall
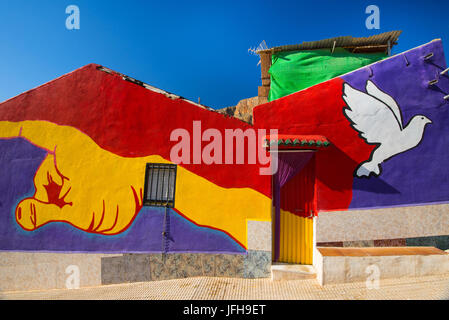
20	161
419	175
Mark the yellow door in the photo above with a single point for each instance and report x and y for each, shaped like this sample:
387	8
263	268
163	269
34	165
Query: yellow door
296	242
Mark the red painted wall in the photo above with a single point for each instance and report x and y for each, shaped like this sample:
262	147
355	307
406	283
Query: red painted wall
318	111
129	120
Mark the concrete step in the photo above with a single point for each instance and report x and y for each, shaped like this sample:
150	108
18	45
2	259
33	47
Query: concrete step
285	271
343	265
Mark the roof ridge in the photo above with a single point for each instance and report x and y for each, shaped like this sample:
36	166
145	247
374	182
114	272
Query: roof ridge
341	41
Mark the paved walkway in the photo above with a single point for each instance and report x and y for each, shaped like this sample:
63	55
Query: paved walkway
432	287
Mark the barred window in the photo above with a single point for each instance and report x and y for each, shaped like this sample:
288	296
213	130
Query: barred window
160	182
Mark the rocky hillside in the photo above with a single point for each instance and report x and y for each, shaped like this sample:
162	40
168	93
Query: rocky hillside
244	109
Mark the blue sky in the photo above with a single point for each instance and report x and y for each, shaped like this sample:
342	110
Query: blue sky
191	48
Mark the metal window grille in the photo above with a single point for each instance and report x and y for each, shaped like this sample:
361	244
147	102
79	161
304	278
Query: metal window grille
160	182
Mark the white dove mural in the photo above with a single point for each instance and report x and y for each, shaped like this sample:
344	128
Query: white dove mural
377	117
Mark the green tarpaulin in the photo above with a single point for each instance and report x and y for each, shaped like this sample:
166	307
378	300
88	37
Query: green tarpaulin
292	71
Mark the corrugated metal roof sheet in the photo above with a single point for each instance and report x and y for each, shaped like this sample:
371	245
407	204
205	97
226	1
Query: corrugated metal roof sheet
345	41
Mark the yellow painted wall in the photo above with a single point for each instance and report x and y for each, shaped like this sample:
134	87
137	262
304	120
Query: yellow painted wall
102	192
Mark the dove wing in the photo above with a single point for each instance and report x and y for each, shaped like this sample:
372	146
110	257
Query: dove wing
372	118
385	98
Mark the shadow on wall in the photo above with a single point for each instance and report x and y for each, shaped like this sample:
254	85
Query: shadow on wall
436	87
345	180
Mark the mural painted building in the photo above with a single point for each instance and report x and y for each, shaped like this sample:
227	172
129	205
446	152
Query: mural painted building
131	183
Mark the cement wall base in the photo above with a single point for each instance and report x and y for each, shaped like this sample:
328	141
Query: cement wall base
345	269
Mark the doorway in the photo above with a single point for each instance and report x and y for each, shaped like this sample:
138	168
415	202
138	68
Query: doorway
297	206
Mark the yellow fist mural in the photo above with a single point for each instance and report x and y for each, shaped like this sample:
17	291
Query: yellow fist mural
78	182
100	192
